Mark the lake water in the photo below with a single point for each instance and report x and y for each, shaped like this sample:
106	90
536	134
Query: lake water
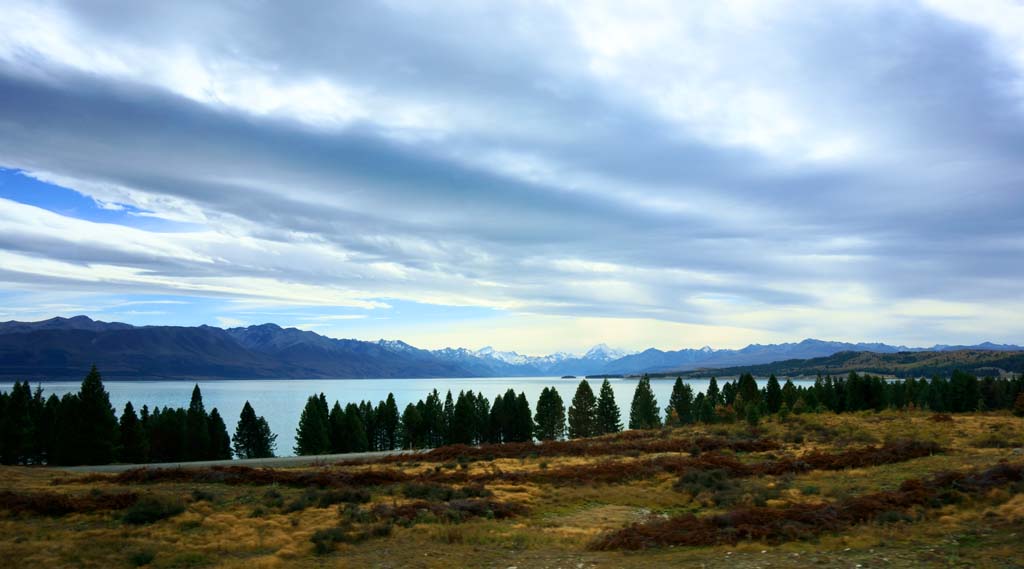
281	401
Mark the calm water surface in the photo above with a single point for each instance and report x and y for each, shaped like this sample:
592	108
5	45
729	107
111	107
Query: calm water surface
281	401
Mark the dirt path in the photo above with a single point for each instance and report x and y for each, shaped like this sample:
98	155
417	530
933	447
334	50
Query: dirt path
278	462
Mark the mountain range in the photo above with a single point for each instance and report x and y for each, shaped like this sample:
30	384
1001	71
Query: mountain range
66	347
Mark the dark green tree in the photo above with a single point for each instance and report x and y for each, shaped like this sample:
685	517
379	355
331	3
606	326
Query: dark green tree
220	441
197	428
18	431
773	395
448	414
643	412
680	404
133	438
747	391
97	421
549	421
609	418
253	438
713	394
789	394
411	428
313	434
388	420
464	420
521	421
583	412
358	440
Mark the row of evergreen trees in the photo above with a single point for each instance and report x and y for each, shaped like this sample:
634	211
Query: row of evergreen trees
81	428
470	418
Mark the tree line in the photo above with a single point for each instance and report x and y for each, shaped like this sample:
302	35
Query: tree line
81	428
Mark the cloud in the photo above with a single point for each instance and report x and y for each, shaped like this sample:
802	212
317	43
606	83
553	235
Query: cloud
779	169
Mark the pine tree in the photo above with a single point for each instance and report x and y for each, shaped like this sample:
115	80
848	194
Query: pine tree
133	439
411	428
789	394
499	418
253	438
98	423
197	429
464	421
583	412
609	418
549	422
18	431
67	445
388	423
521	423
220	442
747	391
773	395
680	404
483	407
713	394
357	440
643	412
313	434
448	413
336	428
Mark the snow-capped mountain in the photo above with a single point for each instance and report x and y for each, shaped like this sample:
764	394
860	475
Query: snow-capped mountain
603	353
62	347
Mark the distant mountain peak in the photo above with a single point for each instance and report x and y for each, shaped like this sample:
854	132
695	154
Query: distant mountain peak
604	353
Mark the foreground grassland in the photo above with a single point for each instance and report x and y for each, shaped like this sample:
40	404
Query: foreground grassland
887	489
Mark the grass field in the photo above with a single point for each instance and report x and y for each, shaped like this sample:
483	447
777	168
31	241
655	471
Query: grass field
884	489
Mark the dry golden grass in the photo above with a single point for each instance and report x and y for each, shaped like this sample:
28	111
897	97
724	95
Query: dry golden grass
251	526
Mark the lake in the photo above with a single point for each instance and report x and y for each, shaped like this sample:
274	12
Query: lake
281	401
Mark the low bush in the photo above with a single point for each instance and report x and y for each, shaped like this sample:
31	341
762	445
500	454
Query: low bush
58	504
149	509
803	521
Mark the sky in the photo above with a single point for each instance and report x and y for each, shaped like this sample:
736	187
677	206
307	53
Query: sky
535	176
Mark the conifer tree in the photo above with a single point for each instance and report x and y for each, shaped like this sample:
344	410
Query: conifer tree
336	428
388	423
483	407
790	394
583	412
448	414
643	412
197	429
549	422
411	427
313	434
521	422
773	395
357	440
680	404
97	421
220	442
747	391
713	394
464	421
609	417
18	432
133	439
253	438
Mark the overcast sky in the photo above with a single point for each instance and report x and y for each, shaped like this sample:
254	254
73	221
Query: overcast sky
536	176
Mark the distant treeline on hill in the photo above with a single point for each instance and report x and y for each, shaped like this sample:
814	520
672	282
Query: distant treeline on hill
81	428
900	364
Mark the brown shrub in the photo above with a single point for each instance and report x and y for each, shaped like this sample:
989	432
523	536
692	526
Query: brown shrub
801	521
57	504
323	478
